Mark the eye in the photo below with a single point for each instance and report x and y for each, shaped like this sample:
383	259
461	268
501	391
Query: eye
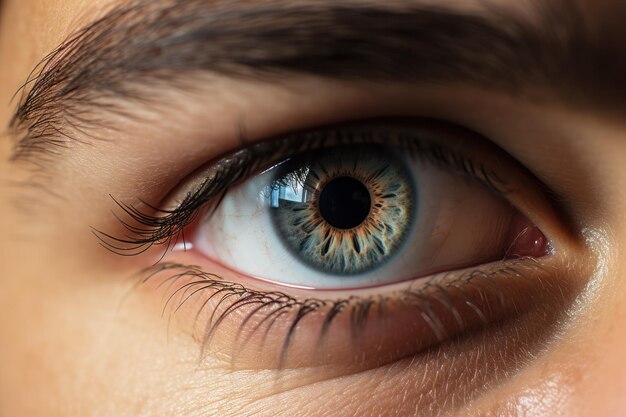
350	216
351	245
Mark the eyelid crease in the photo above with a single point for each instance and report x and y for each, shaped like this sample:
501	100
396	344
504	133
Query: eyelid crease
152	225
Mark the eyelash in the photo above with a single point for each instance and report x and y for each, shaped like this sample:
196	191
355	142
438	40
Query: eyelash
447	289
152	225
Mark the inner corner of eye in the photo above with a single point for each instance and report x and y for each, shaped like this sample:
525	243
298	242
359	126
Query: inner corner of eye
359	216
525	239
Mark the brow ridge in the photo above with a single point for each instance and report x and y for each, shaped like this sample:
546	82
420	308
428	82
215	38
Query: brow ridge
146	42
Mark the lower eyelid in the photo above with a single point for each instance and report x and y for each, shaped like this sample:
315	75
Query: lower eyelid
249	329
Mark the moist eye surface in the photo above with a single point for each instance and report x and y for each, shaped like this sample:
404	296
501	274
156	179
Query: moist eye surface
345	207
344	211
361	206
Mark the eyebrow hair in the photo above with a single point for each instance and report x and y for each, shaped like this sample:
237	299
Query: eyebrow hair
146	42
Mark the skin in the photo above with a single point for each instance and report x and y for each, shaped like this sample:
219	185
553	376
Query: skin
75	343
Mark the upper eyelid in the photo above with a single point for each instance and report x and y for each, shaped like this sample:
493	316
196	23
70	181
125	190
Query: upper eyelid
158	225
394	132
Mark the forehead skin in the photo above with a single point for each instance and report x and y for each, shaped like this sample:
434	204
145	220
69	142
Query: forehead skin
29	30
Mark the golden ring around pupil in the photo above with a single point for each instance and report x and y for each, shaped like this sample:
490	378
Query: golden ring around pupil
365	247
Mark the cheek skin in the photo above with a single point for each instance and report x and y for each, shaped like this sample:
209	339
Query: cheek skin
85	352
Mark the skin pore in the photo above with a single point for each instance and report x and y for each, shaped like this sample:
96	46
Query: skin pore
81	337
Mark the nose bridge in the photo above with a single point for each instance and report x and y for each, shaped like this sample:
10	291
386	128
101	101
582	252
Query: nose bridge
602	389
594	356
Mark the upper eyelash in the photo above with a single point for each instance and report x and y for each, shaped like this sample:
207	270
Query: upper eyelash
152	225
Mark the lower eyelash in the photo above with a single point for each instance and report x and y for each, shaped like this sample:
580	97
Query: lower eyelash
449	291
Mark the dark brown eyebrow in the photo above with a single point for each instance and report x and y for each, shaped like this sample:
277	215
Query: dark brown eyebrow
147	42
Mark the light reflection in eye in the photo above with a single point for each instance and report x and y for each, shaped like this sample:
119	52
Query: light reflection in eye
276	226
295	191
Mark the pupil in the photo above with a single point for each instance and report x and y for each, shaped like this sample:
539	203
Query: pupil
344	202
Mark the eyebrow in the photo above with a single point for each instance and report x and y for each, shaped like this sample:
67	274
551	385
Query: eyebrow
148	42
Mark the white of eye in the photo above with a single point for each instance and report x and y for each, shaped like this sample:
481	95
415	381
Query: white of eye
457	223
